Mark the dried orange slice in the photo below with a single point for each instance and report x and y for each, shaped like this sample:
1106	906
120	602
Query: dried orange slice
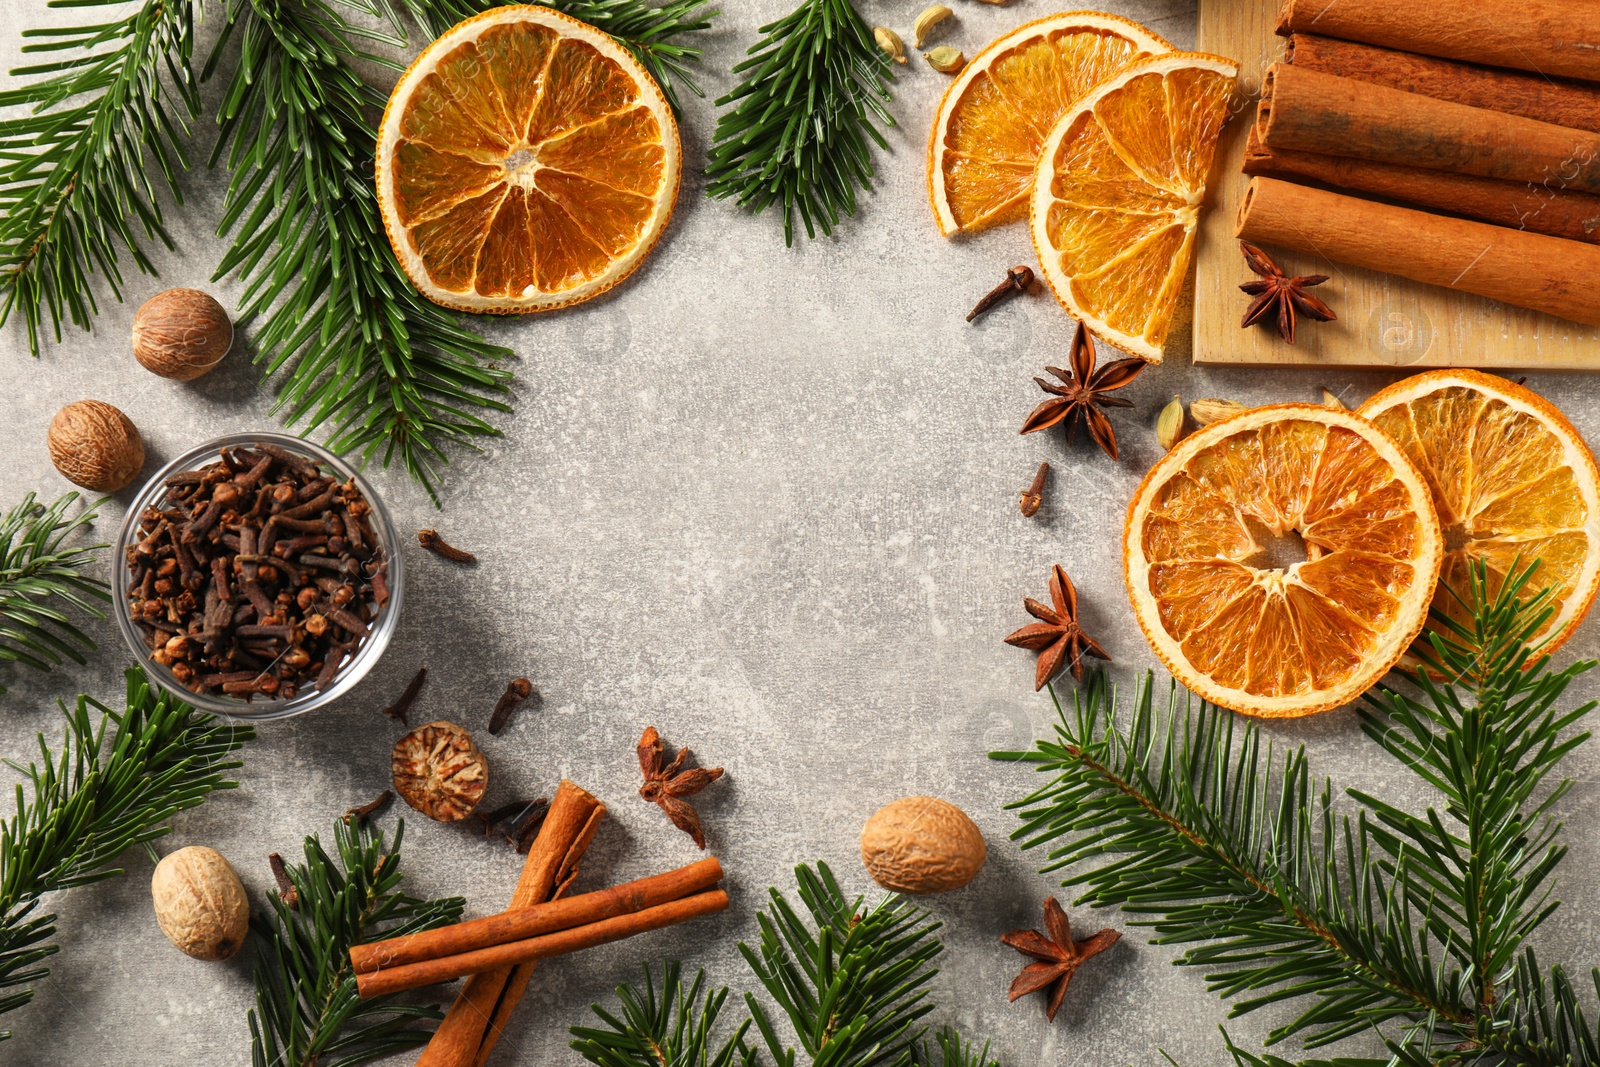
1510	477
1208	547
525	162
1117	193
996	114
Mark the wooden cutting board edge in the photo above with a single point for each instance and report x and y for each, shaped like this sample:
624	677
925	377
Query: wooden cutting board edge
1384	321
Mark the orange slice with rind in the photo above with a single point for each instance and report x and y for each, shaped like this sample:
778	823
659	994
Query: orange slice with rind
1118	190
525	162
1513	482
1205	552
996	114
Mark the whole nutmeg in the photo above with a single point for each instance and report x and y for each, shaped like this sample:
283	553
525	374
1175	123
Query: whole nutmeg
200	903
922	845
439	771
94	445
181	334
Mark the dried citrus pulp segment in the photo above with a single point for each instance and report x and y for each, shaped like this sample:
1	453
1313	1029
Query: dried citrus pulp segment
996	114
1117	194
525	162
1205	547
1510	477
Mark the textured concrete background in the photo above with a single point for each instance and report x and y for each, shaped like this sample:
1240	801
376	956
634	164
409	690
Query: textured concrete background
763	498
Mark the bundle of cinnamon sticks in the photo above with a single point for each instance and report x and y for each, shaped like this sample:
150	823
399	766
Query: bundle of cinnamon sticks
500	951
1481	132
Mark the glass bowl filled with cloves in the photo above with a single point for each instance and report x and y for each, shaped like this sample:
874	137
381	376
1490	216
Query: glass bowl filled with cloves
259	576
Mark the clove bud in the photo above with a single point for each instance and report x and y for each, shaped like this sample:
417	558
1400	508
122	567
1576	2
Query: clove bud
1033	496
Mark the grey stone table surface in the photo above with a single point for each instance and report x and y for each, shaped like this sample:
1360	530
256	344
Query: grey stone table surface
761	497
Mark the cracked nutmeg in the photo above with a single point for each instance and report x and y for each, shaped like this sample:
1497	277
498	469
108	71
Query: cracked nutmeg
439	771
1058	956
667	784
1057	637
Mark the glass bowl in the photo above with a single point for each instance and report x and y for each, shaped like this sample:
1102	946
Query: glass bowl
262	707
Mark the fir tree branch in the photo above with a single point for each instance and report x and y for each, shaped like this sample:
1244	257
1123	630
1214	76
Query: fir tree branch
950	1049
360	350
852	982
648	32
40	576
94	140
669	1028
1237	858
1487	744
798	134
307	1012
92	802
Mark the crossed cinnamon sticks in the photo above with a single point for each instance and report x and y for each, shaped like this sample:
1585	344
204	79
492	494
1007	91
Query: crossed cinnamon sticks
485	1003
522	935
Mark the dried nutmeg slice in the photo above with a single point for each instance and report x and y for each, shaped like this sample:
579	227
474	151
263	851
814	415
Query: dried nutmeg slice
439	771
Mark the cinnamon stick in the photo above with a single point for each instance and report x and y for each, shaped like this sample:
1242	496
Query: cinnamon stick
484	1006
1308	111
1530	270
1563	101
1560	37
1557	212
519	924
444	968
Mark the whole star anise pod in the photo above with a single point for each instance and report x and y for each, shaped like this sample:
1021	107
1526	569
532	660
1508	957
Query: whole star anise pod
1059	956
666	784
1057	636
1276	292
1083	393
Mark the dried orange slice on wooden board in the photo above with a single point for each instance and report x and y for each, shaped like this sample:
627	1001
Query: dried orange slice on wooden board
996	114
1207	556
1510	477
1117	194
525	162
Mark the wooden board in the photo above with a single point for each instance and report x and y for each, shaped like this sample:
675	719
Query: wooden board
1384	321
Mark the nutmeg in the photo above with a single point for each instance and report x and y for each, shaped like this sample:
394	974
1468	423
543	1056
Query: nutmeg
181	334
922	845
94	445
439	771
200	903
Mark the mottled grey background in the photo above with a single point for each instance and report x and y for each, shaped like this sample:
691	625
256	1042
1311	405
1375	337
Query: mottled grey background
763	498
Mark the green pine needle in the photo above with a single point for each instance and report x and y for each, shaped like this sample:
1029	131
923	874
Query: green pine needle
648	32
852	981
88	804
307	1012
799	131
1410	925
358	349
669	1028
41	577
99	135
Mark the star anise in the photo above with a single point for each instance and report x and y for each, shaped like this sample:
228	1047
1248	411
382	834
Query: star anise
1059	956
1284	295
667	784
1058	637
1083	393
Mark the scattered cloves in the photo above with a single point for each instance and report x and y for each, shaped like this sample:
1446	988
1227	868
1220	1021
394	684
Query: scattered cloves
430	540
517	690
1017	281
367	810
401	707
1033	496
286	887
